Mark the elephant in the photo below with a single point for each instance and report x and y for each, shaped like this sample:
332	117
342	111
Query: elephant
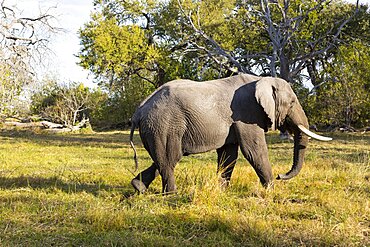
184	117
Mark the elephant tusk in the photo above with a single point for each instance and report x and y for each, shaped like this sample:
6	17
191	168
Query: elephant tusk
313	135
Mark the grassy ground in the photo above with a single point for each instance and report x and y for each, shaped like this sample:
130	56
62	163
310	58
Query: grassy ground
66	190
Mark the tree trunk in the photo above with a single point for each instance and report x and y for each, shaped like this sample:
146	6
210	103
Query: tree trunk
284	68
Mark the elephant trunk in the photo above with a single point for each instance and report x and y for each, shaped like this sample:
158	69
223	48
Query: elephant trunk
301	134
300	144
297	118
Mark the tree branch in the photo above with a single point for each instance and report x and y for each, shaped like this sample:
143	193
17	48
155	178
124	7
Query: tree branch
218	49
301	60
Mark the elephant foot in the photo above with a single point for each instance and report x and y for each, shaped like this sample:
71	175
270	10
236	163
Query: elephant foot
138	185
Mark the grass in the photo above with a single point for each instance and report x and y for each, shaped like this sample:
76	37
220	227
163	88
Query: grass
68	190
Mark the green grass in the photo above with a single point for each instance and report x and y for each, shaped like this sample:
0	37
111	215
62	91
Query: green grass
68	190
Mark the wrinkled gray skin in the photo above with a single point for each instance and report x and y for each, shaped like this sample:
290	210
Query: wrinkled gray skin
185	117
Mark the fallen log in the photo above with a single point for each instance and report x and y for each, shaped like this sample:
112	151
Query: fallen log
47	126
50	125
56	131
42	124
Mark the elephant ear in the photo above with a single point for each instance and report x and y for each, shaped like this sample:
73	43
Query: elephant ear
265	96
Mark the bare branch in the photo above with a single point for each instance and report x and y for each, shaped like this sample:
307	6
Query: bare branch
23	45
218	49
39	18
212	56
144	78
301	60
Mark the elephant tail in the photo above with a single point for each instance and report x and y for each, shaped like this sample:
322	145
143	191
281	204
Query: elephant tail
133	126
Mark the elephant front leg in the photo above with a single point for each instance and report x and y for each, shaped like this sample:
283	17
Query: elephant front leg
142	181
258	158
254	148
226	159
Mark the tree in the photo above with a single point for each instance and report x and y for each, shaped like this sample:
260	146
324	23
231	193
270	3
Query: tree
23	43
291	35
264	37
345	99
293	39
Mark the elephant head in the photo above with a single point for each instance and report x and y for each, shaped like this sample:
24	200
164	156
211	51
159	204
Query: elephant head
284	112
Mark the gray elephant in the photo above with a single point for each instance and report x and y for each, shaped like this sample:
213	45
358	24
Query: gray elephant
185	117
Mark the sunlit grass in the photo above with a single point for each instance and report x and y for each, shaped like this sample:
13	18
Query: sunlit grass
71	190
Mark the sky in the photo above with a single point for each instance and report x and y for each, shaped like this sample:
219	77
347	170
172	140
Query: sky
71	15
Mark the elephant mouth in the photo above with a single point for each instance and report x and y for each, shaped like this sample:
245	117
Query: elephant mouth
313	135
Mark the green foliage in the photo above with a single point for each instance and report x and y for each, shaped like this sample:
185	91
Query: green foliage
116	110
345	98
111	50
67	190
45	97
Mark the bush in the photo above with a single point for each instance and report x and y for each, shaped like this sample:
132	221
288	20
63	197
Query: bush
66	104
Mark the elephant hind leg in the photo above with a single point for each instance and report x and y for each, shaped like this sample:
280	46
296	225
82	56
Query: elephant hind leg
168	180
168	161
166	152
142	181
226	159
